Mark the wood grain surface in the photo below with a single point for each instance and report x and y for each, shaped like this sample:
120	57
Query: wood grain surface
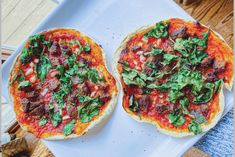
217	14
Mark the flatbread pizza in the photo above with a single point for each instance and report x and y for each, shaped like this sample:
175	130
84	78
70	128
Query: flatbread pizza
172	75
60	86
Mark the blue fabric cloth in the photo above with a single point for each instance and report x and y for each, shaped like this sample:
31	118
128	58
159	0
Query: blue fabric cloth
218	142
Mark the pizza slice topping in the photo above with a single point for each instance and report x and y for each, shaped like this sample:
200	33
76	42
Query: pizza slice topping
58	83
169	74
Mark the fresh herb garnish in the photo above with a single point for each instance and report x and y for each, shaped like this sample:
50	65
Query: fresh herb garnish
159	31
42	121
23	84
43	67
56	118
133	104
68	128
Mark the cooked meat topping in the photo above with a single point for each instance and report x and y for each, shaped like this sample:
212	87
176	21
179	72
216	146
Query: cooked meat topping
71	110
211	77
180	33
204	109
206	62
135	48
54	84
144	102
219	66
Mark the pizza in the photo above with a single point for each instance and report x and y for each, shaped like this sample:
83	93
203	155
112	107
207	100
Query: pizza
172	74
60	86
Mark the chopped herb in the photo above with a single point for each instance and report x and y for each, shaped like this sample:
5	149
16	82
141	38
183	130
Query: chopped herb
43	67
133	104
68	128
87	48
173	95
23	84
154	52
176	119
56	118
206	95
194	127
42	121
159	31
168	58
218	85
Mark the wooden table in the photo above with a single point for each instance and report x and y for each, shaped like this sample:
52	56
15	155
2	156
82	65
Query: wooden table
217	14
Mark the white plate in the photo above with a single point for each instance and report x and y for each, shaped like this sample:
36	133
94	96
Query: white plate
108	22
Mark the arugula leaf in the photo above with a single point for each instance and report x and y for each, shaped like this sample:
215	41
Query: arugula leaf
173	95
176	119
206	96
68	128
133	104
87	48
56	118
184	103
73	42
185	46
19	77
154	52
89	109
23	84
34	48
60	69
132	77
43	67
194	127
25	56
159	31
218	84
168	58
197	56
42	121
93	75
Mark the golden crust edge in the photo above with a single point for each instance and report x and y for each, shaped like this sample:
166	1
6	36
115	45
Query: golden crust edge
205	128
107	111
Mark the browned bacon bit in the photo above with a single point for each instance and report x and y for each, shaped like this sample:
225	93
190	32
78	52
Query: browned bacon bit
170	46
84	89
104	96
204	109
38	111
148	71
144	102
28	88
219	66
65	48
71	110
206	62
135	48
161	108
25	104
180	33
125	50
54	49
211	77
54	84
54	60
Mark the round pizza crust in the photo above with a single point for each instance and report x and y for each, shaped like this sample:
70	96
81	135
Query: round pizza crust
173	133
106	112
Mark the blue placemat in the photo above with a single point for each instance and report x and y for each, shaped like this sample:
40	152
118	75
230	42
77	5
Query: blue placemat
218	142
